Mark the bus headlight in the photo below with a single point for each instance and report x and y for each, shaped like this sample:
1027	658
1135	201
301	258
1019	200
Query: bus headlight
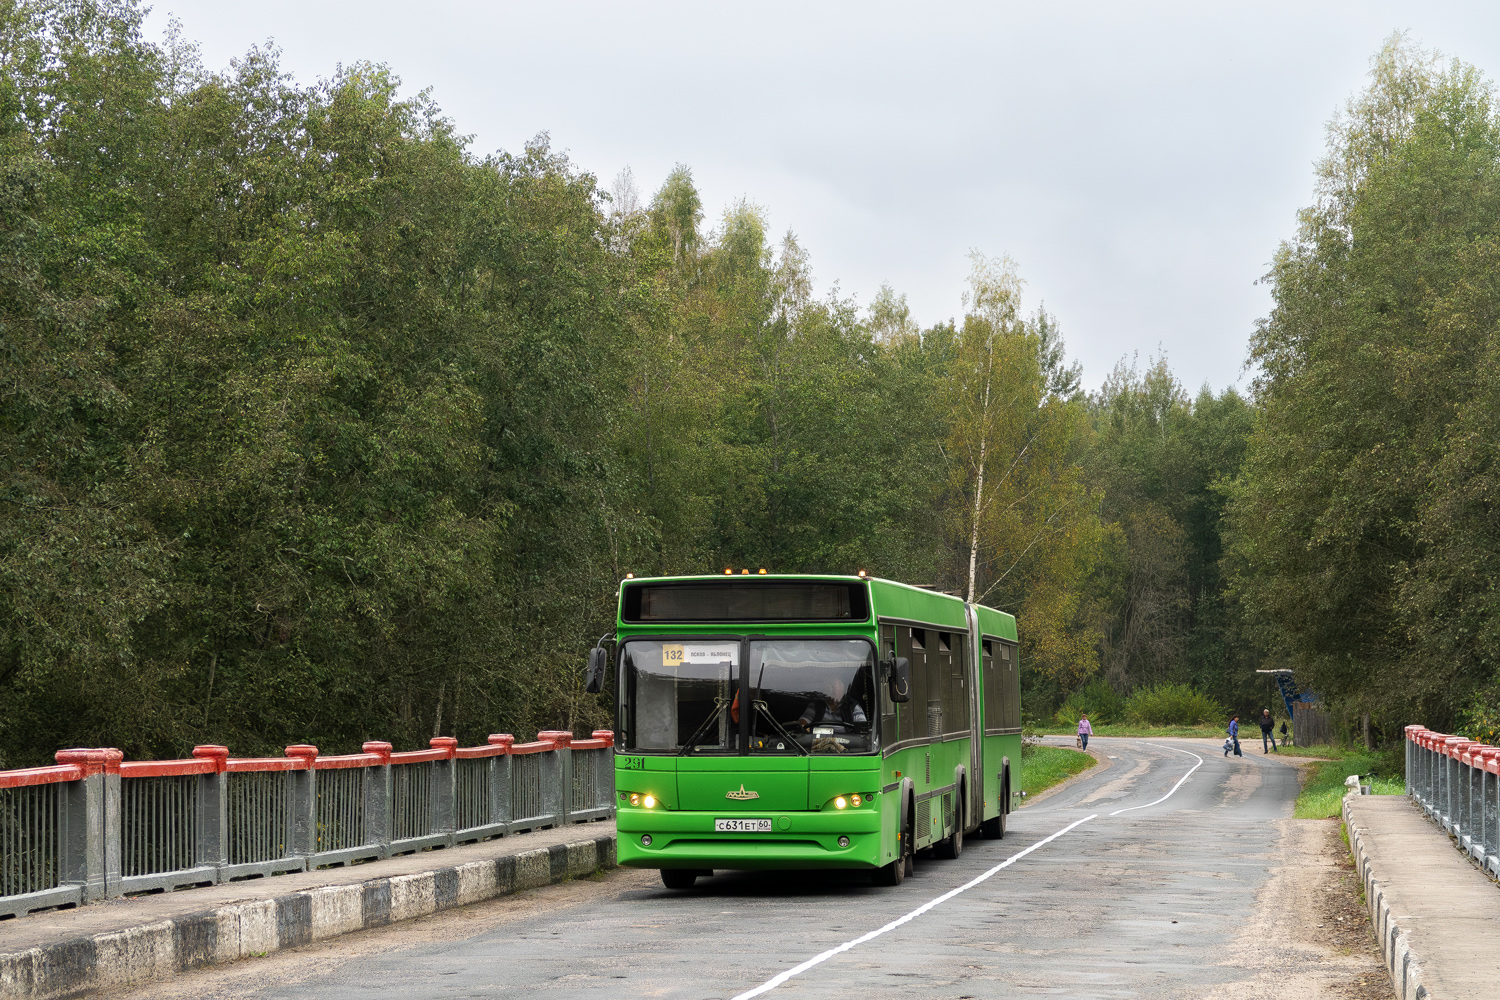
840	803
649	801
635	799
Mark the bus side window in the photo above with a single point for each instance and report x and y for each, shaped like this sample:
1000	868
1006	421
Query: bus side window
904	728
1011	678
994	681
959	687
889	732
911	643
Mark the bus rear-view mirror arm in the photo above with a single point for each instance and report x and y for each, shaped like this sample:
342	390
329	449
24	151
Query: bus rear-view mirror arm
593	674
898	675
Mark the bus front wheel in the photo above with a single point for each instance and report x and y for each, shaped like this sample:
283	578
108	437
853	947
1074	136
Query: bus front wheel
895	872
891	874
679	878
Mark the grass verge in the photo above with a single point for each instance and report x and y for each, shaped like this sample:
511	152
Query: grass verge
1323	790
1050	765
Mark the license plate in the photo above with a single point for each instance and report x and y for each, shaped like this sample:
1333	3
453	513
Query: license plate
742	826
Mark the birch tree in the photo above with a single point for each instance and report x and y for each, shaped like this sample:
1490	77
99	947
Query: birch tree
1028	522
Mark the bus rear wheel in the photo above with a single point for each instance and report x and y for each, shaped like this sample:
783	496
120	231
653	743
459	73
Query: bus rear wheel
680	878
951	846
994	828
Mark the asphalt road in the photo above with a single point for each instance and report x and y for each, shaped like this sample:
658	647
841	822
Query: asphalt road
1128	882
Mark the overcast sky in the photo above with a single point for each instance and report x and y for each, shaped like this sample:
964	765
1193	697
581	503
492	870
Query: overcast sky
1139	161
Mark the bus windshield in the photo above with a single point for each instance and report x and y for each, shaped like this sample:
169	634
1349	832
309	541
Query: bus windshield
806	696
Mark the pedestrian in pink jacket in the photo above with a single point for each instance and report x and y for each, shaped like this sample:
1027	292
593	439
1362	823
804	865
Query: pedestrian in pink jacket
1084	730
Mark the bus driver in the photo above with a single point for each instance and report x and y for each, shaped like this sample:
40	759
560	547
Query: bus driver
836	706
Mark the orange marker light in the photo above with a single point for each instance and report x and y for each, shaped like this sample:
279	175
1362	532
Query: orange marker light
728	571
630	576
744	572
861	574
762	572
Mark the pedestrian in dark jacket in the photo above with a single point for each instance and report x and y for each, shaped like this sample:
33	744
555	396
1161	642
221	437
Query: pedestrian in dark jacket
1267	741
1234	737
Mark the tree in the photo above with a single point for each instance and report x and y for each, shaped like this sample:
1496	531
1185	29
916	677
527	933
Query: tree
1372	374
1015	428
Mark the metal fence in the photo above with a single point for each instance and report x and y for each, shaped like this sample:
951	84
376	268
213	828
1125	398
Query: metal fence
1457	783
94	826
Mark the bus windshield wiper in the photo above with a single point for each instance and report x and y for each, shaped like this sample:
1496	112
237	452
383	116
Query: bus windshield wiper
763	709
713	713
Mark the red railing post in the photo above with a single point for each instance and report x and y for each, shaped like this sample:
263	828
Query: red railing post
607	735
445	786
90	854
502	777
304	781
213	809
561	768
378	795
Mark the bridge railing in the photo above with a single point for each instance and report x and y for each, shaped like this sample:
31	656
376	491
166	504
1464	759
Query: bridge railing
95	826
1456	781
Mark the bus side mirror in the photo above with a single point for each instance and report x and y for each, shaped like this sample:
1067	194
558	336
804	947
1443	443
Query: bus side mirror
898	674
593	674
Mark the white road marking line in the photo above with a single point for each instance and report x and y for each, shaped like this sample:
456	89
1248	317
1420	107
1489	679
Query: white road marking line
1174	787
777	980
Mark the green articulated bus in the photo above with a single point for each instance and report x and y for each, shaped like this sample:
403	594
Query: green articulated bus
791	721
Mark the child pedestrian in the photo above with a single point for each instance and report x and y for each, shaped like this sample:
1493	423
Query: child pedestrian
1084	730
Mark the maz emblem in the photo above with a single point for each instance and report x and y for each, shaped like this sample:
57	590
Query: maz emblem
742	795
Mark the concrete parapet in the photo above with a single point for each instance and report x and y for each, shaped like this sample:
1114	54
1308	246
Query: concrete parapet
1435	915
360	897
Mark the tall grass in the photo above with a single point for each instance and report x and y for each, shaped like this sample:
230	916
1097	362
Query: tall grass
1173	705
1323	791
1096	698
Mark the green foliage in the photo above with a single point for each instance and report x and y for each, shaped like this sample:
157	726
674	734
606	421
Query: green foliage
1168	704
1097	699
1364	540
1157	595
1480	719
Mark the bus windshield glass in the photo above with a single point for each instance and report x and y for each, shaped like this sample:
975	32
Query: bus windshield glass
806	696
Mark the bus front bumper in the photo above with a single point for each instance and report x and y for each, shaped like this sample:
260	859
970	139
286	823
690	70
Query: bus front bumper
680	839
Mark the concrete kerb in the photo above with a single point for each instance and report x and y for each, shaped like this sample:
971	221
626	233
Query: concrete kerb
227	932
1405	967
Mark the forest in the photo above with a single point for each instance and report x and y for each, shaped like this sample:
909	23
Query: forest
319	426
